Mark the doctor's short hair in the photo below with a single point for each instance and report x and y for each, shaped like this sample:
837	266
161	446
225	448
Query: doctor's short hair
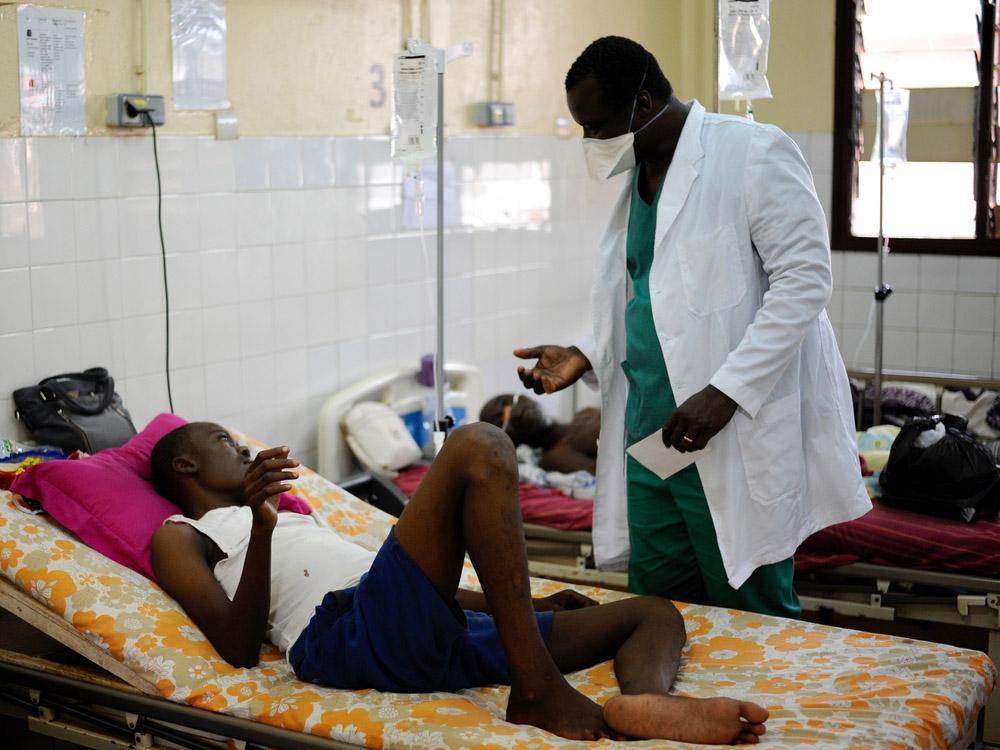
617	65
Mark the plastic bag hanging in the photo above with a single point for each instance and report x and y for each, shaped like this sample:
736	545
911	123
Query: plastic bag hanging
897	115
198	38
414	108
744	33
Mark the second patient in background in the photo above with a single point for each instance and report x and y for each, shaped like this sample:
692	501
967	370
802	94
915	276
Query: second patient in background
565	448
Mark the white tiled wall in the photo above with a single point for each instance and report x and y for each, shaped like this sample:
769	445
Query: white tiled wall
944	313
291	272
942	316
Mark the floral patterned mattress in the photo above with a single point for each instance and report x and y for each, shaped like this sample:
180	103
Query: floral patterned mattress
825	687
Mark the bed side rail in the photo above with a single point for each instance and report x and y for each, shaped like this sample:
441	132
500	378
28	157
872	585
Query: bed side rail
939	380
335	460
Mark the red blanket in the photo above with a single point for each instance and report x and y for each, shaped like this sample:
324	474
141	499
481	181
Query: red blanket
538	505
887	536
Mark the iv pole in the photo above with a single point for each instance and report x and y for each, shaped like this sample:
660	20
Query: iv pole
715	59
441	59
883	290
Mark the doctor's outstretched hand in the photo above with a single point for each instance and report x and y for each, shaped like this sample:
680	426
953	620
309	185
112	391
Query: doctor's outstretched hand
698	420
557	367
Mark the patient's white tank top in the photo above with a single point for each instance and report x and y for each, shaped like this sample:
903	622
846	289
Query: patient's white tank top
307	561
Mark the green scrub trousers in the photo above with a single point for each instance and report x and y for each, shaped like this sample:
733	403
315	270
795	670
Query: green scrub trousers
675	551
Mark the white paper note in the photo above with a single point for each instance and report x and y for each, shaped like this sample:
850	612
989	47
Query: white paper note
50	48
659	459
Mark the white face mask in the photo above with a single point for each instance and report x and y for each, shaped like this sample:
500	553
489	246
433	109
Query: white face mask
607	157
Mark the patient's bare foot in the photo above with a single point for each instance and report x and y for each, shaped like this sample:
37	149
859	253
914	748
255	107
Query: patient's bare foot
561	710
709	721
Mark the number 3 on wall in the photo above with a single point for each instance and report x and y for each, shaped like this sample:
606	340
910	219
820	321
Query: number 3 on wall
378	71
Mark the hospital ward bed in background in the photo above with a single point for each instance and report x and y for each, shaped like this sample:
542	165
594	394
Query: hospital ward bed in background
892	566
557	528
163	682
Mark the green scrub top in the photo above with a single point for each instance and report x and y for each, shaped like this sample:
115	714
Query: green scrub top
674	547
650	397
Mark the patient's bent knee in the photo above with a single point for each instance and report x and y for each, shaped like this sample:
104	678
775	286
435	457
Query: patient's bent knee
485	450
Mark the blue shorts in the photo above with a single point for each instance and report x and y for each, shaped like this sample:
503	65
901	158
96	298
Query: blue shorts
395	633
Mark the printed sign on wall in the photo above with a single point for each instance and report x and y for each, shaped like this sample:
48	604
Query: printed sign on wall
50	50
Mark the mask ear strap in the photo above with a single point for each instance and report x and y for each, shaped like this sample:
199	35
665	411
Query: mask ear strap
635	99
653	118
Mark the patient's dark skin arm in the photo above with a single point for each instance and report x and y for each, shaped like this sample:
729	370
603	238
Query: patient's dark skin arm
576	449
183	559
560	601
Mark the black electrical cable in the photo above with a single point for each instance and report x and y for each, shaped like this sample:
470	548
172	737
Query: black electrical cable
163	255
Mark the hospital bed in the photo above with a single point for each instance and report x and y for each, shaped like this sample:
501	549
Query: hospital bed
400	389
163	683
950	577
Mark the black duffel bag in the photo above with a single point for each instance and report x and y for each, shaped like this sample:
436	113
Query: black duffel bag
954	477
75	411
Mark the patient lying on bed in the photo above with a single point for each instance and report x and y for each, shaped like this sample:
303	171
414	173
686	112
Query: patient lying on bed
397	620
565	447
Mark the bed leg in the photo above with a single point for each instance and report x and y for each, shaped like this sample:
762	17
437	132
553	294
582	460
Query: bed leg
991	714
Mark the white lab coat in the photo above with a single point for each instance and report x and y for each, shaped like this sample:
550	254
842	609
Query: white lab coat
739	284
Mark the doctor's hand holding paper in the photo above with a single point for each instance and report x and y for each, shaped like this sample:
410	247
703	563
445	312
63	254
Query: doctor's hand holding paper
709	332
698	420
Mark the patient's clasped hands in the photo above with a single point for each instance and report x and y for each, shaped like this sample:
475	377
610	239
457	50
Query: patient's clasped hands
265	480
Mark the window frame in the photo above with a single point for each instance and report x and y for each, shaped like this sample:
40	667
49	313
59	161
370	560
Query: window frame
846	121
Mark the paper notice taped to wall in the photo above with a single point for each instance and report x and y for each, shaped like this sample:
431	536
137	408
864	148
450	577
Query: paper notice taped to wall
53	86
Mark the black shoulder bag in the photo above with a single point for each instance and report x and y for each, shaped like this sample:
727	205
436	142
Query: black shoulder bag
75	411
954	477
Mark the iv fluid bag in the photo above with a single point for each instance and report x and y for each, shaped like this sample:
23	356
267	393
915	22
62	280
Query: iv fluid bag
744	33
414	108
897	115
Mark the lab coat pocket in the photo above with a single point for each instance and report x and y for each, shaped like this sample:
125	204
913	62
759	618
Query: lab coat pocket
712	271
771	448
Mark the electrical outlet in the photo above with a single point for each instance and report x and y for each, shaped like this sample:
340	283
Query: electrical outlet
494	114
118	111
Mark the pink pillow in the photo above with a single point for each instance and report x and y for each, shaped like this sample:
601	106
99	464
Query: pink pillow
107	499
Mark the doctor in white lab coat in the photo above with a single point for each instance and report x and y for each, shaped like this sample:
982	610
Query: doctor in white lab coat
709	325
